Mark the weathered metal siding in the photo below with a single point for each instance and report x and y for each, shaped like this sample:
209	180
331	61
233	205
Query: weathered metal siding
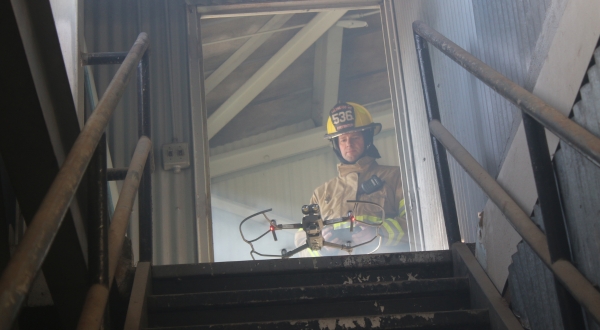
113	26
284	186
503	34
532	287
579	182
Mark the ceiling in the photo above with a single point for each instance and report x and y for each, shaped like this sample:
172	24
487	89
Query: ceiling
296	94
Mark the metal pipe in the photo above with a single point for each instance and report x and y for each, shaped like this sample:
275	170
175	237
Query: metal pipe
581	289
103	58
145	191
116	174
569	131
98	216
442	169
27	260
97	297
552	215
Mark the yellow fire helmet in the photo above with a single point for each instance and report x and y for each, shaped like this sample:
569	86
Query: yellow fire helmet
346	117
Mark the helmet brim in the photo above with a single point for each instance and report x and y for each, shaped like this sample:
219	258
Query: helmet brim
376	127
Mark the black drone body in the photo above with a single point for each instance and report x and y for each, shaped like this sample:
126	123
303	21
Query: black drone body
313	225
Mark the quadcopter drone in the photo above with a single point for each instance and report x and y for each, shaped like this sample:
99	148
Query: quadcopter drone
313	224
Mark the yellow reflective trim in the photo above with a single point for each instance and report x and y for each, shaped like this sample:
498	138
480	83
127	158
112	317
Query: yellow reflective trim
341	225
369	218
395	223
399	229
390	233
402	208
313	253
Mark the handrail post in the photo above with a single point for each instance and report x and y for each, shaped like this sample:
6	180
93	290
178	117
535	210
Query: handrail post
580	287
25	264
145	191
552	214
442	169
98	216
97	297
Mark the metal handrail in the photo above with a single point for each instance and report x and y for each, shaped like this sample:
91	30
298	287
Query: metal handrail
553	247
581	289
97	296
31	252
569	131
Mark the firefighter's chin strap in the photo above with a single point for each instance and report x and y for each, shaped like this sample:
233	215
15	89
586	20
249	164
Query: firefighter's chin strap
370	150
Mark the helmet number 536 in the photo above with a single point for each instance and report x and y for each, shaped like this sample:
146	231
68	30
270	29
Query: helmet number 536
342	117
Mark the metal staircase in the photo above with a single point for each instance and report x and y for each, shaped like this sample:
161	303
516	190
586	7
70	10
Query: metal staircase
414	290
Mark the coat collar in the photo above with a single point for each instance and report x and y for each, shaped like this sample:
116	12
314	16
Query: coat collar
361	165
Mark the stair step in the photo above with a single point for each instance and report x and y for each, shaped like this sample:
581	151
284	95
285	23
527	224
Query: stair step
264	274
455	320
309	302
306	294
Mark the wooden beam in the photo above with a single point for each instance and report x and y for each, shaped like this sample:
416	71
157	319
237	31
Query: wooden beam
326	81
272	69
213	9
243	52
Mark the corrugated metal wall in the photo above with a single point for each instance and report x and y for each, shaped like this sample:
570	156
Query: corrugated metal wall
579	182
113	26
284	186
504	34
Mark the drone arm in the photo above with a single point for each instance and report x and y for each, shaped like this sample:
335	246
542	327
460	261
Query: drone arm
338	246
336	220
294	251
290	226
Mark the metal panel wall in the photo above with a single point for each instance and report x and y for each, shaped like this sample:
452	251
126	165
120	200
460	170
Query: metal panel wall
503	34
113	26
284	186
579	182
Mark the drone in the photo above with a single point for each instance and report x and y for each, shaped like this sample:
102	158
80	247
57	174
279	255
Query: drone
313	224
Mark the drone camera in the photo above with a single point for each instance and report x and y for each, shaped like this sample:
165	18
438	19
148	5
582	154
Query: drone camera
310	209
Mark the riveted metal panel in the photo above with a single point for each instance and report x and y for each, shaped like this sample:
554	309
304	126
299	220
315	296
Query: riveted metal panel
113	26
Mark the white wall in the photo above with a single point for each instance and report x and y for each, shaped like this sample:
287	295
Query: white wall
69	26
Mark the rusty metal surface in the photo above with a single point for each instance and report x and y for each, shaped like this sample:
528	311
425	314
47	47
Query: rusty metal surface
455	320
581	289
302	272
93	310
306	288
30	254
307	294
313	264
482	291
321	309
569	131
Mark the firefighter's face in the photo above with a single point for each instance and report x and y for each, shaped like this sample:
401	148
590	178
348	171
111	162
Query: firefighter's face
352	146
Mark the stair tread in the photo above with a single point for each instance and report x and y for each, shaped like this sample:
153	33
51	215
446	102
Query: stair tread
309	293
303	264
246	275
457	319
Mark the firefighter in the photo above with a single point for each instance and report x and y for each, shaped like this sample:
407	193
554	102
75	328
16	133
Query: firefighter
351	129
